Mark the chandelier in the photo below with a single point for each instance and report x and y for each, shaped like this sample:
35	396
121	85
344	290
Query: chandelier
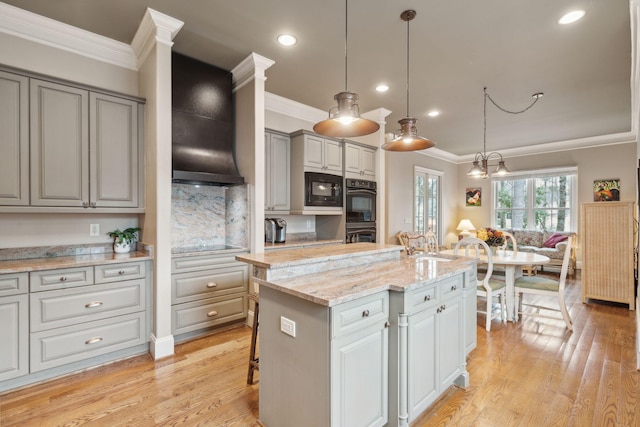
407	138
480	166
344	119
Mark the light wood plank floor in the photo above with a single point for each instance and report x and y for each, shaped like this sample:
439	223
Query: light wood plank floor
534	373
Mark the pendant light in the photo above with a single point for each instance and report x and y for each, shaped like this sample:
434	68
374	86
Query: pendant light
407	138
344	120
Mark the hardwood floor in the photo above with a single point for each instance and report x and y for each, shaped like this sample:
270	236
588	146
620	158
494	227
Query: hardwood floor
533	373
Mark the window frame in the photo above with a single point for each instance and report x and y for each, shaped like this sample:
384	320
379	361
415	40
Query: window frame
570	171
428	173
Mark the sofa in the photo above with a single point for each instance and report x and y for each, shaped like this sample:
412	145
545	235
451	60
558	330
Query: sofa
533	241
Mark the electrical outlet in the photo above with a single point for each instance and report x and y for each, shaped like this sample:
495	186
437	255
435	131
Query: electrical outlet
94	230
288	326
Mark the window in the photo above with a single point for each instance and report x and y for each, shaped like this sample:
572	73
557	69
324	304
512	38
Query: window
540	200
426	211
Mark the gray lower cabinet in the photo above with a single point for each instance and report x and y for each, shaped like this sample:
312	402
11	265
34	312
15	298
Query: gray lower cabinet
207	291
470	303
14	333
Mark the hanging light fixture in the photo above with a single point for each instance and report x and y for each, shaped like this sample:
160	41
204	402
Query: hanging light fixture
480	165
344	120
407	138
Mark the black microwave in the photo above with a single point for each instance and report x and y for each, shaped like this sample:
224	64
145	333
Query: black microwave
322	189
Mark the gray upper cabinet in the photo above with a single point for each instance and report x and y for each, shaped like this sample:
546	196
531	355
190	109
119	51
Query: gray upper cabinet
359	162
59	145
113	151
278	173
65	147
14	139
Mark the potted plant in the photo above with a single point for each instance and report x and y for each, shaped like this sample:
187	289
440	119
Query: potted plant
122	240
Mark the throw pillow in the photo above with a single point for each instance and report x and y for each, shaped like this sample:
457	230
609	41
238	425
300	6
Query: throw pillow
554	239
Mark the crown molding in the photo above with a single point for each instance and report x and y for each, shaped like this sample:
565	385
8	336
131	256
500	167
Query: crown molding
155	27
252	67
30	26
288	107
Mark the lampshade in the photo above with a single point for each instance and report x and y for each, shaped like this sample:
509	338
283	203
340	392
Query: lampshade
407	138
344	120
465	225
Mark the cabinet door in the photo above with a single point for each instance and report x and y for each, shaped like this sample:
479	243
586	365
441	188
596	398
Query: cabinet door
113	151
278	170
469	301
314	152
449	341
422	348
59	145
352	160
359	378
368	163
14	336
14	139
333	156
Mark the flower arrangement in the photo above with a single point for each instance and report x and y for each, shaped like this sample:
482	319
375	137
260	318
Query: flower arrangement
491	236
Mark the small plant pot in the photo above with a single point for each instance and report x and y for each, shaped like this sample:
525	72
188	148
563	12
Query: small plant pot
121	248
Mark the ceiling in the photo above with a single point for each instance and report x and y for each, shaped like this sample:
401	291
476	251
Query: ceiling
515	48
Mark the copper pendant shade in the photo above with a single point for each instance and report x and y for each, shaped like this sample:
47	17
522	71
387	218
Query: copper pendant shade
407	138
344	120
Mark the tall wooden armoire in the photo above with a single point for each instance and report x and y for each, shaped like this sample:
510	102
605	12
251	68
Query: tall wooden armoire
607	235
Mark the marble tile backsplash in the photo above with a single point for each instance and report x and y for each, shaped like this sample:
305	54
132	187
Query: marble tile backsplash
207	216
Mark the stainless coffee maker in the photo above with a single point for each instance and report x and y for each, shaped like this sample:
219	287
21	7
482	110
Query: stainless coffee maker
275	230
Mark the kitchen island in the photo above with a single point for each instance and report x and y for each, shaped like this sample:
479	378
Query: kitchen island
360	334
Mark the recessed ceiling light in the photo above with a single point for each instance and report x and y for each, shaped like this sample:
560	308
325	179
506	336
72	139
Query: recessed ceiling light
433	113
382	88
570	17
287	40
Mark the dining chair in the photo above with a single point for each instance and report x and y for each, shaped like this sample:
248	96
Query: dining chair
487	286
537	285
509	242
412	242
430	242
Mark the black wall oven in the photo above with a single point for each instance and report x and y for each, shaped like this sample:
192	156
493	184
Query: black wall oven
322	189
360	196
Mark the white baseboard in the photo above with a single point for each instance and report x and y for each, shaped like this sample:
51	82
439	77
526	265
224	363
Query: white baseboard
161	347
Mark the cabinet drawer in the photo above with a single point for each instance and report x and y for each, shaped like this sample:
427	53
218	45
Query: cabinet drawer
14	284
186	287
421	299
117	272
192	316
72	343
204	262
354	315
64	307
60	279
450	287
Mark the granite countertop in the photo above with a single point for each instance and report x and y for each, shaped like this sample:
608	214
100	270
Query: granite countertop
345	284
69	261
300	244
184	252
312	255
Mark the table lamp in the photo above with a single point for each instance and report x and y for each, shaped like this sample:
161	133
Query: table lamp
465	227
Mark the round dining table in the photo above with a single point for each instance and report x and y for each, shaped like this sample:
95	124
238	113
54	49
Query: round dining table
512	263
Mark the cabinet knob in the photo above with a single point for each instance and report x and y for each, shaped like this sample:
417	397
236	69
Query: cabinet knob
454	287
365	313
63	278
93	204
93	304
212	313
121	272
85	204
93	340
212	285
387	324
427	297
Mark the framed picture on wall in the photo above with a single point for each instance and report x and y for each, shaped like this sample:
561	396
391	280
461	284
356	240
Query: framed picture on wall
606	190
473	196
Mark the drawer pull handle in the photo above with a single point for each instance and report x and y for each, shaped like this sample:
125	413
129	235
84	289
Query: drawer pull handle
121	272
93	340
212	313
387	324
63	278
454	287
365	313
427	297
212	285
94	304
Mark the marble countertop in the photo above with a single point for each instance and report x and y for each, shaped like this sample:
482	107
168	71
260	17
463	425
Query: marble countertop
300	244
206	250
51	263
311	255
345	284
